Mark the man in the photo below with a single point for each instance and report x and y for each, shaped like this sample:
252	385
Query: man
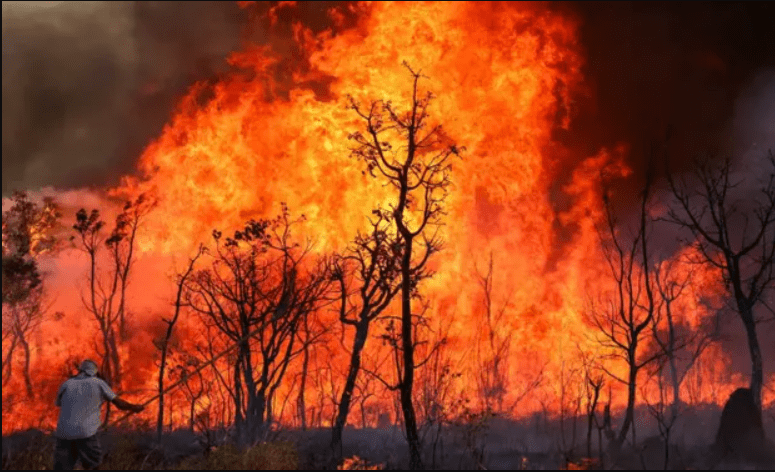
80	399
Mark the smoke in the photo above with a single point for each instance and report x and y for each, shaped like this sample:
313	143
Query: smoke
87	85
653	66
753	120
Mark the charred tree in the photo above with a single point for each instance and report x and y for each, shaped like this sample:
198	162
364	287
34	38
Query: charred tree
20	321
257	290
625	315
735	236
368	279
312	331
26	234
592	385
122	244
186	370
492	354
164	342
679	343
106	295
405	151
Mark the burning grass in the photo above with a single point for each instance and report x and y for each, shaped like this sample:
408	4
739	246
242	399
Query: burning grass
268	456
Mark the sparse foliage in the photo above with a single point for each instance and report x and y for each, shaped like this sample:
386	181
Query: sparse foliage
164	342
734	235
493	345
255	293
623	317
406	152
27	233
368	280
107	282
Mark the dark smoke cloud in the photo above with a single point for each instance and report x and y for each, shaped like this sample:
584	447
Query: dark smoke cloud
87	84
651	65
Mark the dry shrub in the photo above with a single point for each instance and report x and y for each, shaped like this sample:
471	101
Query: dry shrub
267	456
127	453
37	454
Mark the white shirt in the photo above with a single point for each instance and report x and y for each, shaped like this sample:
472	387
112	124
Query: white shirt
80	399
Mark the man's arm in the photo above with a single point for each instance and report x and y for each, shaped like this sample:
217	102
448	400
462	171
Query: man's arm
126	406
109	395
61	391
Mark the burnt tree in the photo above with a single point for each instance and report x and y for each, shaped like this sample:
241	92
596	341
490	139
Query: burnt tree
625	315
107	281
122	245
20	321
256	292
492	354
27	233
368	280
680	343
413	157
312	332
163	343
736	236
593	383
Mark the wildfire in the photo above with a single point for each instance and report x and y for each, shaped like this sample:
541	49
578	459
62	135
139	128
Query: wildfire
504	77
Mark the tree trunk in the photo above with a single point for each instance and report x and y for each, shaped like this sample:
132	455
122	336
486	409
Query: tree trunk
600	447
407	384
239	422
349	386
589	436
114	357
160	415
676	386
591	417
8	360
122	306
412	435
302	407
629	414
757	374
106	367
255	416
191	414
673	367
27	379
255	409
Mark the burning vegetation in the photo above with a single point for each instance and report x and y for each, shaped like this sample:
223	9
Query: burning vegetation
377	225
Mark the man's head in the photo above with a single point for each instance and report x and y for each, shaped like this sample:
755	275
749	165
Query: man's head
88	367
